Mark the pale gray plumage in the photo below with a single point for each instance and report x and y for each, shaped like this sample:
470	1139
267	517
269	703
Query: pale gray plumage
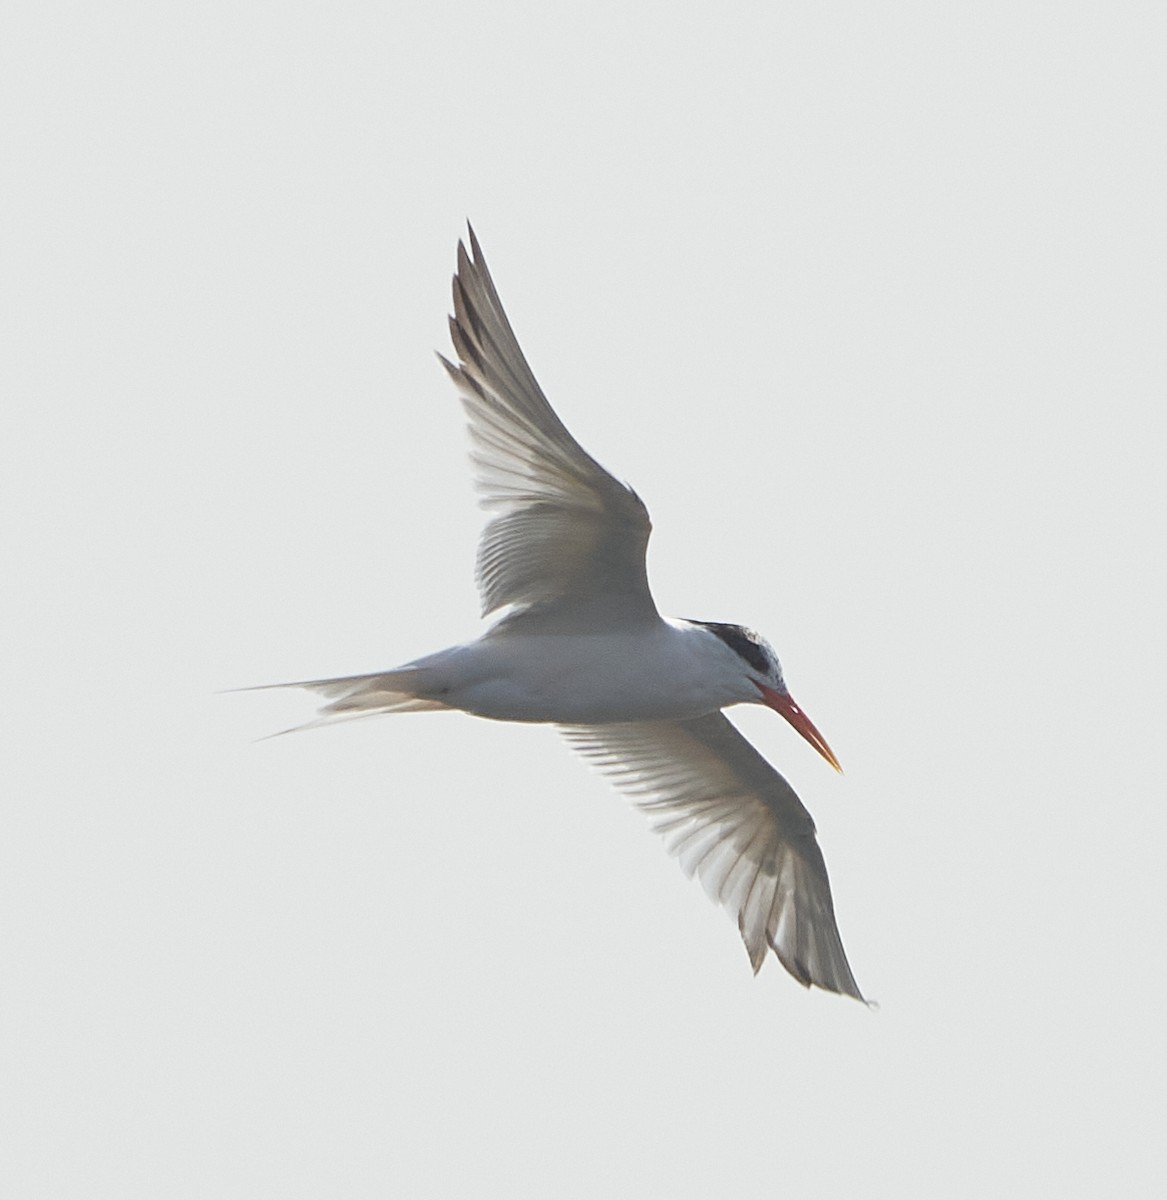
569	540
737	825
579	642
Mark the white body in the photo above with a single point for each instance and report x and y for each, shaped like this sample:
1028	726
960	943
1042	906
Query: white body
670	670
582	645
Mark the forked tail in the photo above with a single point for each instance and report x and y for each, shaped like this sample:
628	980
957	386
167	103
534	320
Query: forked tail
352	696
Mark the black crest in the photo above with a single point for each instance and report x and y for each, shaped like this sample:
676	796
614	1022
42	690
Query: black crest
743	642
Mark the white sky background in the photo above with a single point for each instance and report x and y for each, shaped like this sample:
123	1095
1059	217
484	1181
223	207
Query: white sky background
867	302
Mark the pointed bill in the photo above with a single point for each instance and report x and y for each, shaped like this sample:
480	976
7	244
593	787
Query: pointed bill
783	702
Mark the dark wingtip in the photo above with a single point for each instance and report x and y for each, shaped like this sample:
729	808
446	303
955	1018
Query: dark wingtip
463	260
475	248
454	372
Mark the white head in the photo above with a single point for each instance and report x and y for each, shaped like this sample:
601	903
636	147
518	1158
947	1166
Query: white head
763	682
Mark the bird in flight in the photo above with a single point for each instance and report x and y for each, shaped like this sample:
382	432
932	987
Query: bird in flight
578	642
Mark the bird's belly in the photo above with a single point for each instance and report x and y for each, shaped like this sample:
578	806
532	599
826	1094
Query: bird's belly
581	680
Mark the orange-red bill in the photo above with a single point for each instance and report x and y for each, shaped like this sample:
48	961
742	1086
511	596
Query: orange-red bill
783	702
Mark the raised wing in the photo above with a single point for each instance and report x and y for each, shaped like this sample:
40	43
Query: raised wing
737	825
567	543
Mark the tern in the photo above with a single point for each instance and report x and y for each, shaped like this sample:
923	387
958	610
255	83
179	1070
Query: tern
578	642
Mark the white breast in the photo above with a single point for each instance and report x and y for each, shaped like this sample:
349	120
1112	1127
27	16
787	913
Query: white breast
665	672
